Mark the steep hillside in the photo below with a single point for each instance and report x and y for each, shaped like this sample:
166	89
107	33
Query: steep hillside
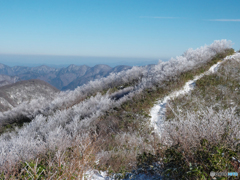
25	91
65	76
21	93
6	70
84	129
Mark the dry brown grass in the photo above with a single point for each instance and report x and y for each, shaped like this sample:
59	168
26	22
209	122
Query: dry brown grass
69	163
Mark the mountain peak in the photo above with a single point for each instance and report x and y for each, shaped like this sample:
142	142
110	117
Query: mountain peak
72	67
2	66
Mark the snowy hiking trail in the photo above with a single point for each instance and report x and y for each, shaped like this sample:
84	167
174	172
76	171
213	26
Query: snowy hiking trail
158	111
157	114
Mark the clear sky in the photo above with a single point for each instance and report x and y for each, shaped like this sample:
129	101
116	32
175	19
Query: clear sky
111	30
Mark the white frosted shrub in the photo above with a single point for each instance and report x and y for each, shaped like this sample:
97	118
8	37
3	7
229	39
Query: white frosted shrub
190	128
129	145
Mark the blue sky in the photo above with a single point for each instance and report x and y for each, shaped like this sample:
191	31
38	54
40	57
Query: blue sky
111	31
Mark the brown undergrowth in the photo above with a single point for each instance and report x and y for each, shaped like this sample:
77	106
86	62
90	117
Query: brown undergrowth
65	163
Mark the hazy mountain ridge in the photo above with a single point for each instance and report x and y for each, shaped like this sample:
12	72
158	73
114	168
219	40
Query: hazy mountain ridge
64	78
24	91
6	80
96	72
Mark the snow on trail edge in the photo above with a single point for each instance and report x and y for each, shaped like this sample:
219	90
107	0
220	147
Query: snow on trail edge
158	111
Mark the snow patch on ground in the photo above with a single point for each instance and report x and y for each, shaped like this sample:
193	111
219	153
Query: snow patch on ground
96	175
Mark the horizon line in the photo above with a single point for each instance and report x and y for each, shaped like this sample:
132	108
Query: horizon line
80	56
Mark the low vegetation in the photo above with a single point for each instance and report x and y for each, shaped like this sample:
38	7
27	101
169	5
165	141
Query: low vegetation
120	139
203	127
133	116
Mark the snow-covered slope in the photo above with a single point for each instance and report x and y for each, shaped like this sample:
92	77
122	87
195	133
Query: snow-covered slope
6	80
24	91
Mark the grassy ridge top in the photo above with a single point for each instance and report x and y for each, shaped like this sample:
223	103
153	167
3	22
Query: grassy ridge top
116	136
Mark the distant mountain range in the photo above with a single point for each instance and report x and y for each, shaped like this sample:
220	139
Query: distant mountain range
63	79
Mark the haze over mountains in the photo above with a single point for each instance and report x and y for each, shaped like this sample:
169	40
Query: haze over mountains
63	79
